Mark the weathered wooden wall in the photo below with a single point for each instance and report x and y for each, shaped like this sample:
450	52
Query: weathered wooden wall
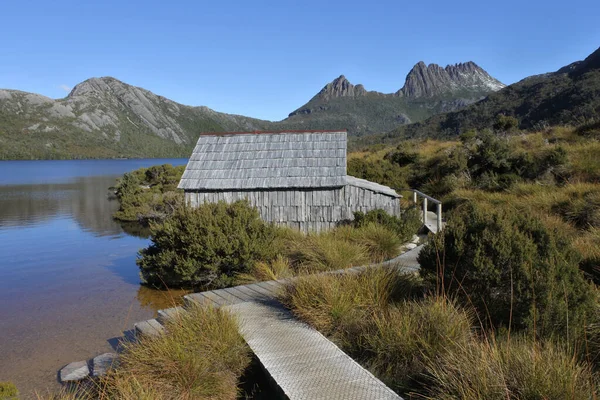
305	210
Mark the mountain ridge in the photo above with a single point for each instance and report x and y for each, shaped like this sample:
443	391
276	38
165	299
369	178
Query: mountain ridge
570	95
105	117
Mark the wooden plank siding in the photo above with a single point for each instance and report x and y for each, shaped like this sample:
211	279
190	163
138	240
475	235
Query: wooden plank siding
306	210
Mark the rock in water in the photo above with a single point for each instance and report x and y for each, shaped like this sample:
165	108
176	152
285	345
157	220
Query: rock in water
102	363
74	372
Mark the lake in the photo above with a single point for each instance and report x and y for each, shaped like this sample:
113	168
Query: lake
68	281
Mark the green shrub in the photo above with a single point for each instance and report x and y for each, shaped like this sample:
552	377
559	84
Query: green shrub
8	390
205	246
514	271
378	170
505	123
149	194
404	226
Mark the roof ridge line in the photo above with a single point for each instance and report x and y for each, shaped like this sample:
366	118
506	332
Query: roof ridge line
272	132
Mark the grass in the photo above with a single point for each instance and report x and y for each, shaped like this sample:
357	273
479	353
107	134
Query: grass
431	347
510	369
202	356
343	247
8	390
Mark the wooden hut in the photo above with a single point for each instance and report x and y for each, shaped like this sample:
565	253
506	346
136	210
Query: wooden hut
294	178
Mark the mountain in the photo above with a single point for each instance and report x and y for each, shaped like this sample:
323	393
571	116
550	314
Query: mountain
570	95
428	90
104	117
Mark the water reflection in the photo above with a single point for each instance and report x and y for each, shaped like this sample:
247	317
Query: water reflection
86	199
68	279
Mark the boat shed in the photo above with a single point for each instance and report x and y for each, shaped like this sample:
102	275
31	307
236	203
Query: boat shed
293	178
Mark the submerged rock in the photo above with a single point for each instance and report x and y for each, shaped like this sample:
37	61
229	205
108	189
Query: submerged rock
102	363
74	372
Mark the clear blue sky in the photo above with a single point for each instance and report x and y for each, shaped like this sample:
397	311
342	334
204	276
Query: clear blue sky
266	58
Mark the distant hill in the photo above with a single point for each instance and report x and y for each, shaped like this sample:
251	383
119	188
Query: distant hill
104	117
428	90
570	95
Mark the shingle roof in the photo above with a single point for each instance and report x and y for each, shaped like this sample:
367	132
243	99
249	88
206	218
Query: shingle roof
264	160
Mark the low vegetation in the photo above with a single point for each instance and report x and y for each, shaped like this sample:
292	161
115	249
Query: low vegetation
218	245
206	246
426	345
202	356
8	390
149	194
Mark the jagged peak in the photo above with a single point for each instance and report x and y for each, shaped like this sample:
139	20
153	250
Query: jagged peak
341	87
430	80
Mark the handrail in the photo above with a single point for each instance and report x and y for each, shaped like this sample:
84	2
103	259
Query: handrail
435	201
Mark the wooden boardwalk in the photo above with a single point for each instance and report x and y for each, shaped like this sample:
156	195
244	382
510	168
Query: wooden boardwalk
302	362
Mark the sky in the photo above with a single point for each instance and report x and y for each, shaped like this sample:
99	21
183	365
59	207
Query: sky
265	59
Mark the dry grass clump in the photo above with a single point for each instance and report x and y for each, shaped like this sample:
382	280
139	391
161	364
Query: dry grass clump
401	339
343	247
429	346
279	268
334	303
369	316
201	357
324	252
510	369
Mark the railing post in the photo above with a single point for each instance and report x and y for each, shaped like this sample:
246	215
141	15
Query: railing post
424	210
415	198
439	217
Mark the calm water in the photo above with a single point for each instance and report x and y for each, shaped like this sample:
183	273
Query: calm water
68	279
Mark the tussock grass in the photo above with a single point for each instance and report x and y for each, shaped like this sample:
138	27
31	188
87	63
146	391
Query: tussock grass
334	303
510	369
430	346
324	252
279	268
201	357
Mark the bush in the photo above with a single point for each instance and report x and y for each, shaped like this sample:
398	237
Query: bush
205	246
149	194
512	269
8	390
405	226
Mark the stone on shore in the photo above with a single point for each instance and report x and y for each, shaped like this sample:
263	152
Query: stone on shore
74	372
410	246
102	363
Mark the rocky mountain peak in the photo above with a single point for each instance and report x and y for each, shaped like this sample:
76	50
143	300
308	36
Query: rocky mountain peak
433	80
341	87
94	85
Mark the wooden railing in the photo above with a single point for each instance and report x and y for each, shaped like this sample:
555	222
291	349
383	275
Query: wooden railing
426	198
